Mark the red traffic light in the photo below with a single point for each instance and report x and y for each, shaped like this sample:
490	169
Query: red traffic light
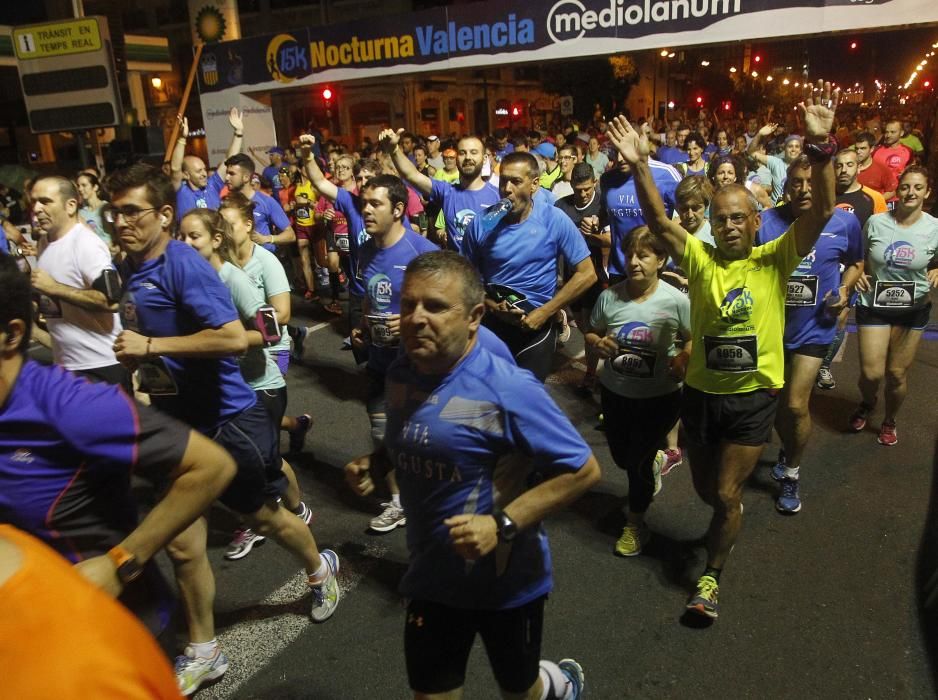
699	100
727	106
757	58
516	111
853	44
327	94
927	83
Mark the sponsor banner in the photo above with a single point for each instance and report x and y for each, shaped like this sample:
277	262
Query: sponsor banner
486	33
212	21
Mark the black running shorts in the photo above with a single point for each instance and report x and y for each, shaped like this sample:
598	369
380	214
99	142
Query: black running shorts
745	419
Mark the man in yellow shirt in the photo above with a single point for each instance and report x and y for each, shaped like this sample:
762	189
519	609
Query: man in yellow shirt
737	294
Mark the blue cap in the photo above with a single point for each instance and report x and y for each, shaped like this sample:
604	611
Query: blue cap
276	149
546	150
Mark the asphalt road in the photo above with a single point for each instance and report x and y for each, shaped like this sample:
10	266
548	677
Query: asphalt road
823	604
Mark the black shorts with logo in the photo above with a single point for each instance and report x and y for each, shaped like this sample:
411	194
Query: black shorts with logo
438	639
745	418
915	318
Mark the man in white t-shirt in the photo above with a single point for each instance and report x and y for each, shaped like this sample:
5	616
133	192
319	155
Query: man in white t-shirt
77	285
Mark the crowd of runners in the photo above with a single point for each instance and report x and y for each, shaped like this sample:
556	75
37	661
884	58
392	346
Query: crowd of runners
710	267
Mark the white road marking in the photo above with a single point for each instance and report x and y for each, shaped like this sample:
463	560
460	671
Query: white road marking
252	644
318	326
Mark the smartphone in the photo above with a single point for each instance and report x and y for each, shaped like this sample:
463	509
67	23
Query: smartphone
266	321
112	285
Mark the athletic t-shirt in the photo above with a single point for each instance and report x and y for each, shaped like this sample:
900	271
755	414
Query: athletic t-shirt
207	197
81	339
897	259
896	157
878	177
102	651
625	213
381	273
93	219
779	169
303	212
645	333
738	315
460	207
67	449
807	322
268	276
258	366
859	203
179	294
348	204
705	233
524	256
466	443
269	217
598	163
671	155
595	208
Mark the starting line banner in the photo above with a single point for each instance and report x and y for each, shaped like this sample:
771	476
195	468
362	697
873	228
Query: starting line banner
516	31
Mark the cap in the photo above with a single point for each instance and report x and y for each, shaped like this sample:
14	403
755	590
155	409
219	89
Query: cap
449	153
793	137
545	150
433	137
275	149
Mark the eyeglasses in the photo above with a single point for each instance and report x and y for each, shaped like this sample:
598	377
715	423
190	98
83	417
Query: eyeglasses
567	157
735	219
130	213
343	167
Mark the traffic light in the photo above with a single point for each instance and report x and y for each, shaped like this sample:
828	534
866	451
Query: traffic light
327	95
853	44
515	111
757	58
699	100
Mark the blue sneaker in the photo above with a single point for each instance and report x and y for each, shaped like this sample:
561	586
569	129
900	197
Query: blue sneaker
574	673
789	502
778	471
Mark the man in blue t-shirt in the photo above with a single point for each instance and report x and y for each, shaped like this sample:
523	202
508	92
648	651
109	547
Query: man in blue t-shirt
68	482
624	213
817	292
379	269
181	334
466	430
272	226
460	203
517	259
195	189
272	171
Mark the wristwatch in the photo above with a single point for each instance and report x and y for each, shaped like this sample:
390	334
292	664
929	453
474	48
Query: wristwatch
128	568
504	526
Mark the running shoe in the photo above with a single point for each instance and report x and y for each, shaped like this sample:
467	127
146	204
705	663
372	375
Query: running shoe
305	514
564	335
298	434
887	434
674	458
656	467
704	600
391	517
326	594
244	541
347	343
334	307
631	540
859	417
299	337
586	387
310	295
192	671
825	380
574	673
778	469
789	501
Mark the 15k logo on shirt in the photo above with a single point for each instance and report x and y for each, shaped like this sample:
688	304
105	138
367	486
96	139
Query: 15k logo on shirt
737	305
380	290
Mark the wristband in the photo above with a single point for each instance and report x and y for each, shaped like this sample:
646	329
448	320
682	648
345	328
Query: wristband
241	135
819	153
128	568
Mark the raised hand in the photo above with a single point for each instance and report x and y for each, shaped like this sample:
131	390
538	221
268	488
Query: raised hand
236	119
818	110
768	129
183	126
307	140
630	144
389	138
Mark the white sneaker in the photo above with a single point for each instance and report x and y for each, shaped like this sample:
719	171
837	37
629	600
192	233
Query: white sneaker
193	671
326	595
660	460
244	541
391	517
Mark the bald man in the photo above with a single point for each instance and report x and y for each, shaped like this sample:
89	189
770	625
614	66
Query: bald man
194	188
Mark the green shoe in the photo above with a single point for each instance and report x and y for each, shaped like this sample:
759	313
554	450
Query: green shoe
631	540
704	600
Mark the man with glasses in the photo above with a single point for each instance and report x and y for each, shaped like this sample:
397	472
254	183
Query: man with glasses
183	334
567	157
77	285
738	318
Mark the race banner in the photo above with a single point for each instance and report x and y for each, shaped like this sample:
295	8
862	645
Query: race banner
488	33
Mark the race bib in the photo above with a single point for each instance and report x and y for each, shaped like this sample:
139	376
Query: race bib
635	362
302	213
154	379
737	353
381	335
893	295
341	243
802	290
